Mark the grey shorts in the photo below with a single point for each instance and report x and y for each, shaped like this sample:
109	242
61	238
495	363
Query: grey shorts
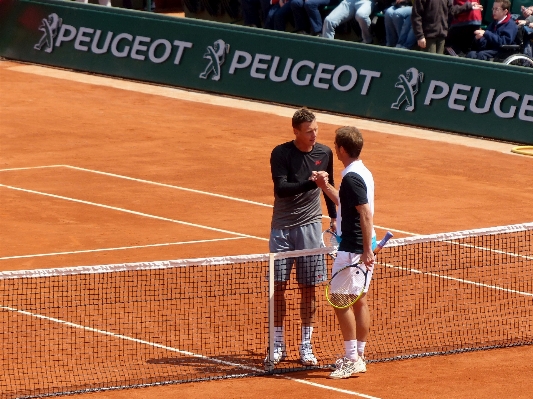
310	270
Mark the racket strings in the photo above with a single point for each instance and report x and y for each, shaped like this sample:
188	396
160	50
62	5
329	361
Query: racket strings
330	239
346	287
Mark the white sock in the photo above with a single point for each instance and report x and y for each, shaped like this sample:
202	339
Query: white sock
361	348
307	332
279	336
350	347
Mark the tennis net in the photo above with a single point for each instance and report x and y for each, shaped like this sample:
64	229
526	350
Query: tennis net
85	329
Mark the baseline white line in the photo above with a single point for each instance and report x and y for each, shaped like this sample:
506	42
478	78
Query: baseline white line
120	248
133	212
475	283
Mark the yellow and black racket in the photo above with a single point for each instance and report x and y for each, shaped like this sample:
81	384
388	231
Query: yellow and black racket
347	285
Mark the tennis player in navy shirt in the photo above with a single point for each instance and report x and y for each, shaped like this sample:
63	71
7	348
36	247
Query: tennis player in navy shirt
355	201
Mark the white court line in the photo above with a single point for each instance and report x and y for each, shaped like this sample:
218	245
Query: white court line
166	185
125	337
460	280
183	352
314	384
134	212
178	188
140	181
120	248
496	251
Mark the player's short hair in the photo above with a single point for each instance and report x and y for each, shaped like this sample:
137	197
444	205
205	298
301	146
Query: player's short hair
301	116
351	139
506	4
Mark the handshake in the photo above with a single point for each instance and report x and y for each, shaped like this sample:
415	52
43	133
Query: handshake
320	178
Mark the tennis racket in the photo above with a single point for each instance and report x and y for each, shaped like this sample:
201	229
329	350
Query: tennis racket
347	285
331	240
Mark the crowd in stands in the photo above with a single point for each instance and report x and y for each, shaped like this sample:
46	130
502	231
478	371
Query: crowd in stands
453	27
126	4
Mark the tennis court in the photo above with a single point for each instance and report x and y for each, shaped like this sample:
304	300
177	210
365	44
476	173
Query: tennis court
96	171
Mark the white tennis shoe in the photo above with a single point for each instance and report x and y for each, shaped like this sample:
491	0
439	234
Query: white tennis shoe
279	354
307	358
346	368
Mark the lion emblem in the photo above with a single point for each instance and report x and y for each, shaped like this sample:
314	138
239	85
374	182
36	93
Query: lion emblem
216	54
49	26
408	83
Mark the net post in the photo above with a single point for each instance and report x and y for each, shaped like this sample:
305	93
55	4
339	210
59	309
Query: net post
269	364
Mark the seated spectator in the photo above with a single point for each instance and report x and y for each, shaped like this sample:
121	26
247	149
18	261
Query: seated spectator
430	24
307	18
106	3
254	12
502	30
398	27
278	15
127	4
527	24
346	10
466	18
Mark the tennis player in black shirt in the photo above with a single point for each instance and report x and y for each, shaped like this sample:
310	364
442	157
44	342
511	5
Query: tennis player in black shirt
297	224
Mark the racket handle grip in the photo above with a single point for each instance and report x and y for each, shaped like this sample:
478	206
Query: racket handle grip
382	243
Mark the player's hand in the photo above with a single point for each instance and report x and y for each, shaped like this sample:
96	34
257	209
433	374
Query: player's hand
333	225
315	174
322	180
368	259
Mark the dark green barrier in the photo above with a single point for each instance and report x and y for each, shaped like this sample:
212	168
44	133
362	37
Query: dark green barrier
445	93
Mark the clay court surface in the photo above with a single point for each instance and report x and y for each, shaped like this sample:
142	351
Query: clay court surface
95	171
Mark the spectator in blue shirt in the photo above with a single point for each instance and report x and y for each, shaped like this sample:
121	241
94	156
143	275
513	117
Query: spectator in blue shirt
502	30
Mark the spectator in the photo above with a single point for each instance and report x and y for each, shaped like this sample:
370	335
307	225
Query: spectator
346	10
466	19
106	3
255	12
527	24
307	18
398	27
430	24
278	15
502	30
127	4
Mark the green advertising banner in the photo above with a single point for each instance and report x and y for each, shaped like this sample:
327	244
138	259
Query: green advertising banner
445	93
